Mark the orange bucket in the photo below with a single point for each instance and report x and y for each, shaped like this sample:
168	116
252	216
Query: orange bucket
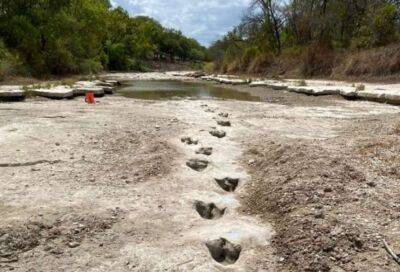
90	98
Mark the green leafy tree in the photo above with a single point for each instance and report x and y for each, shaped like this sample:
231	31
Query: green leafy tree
84	36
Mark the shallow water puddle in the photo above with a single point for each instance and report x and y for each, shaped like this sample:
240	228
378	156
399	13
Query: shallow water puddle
169	89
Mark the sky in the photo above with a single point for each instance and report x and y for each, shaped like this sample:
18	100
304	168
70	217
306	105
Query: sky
204	20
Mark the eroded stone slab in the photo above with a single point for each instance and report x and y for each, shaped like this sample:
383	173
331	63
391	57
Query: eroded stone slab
59	92
11	93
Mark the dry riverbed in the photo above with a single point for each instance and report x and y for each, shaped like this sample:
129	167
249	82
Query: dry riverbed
297	183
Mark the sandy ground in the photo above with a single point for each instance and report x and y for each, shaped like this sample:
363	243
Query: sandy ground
108	188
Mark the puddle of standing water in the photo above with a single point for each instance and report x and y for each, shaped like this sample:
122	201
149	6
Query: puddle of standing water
162	90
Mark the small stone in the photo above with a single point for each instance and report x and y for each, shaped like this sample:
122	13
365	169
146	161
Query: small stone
12	259
189	141
73	244
58	144
56	251
371	184
319	215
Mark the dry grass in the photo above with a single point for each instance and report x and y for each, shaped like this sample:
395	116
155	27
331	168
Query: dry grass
301	83
319	61
360	87
260	63
396	129
378	62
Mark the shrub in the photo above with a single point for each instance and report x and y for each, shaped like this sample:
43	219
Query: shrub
90	66
301	83
363	39
360	87
260	62
396	129
209	67
318	60
384	24
234	67
10	64
248	55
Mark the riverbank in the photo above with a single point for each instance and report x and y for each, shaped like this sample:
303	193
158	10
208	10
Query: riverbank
311	183
383	93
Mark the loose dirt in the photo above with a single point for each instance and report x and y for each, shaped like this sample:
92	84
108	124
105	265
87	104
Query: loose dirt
297	184
330	194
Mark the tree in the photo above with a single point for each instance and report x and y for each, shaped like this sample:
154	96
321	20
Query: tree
83	36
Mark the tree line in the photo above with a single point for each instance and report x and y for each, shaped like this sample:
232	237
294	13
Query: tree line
41	37
308	30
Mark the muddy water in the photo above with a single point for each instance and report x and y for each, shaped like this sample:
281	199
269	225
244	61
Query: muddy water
168	89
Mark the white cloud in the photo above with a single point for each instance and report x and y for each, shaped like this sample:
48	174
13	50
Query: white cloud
204	20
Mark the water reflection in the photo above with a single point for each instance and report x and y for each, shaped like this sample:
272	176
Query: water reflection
162	90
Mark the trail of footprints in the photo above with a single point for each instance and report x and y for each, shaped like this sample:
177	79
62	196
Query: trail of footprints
221	250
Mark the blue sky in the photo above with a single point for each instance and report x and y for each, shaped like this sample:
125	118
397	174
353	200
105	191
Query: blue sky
204	20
